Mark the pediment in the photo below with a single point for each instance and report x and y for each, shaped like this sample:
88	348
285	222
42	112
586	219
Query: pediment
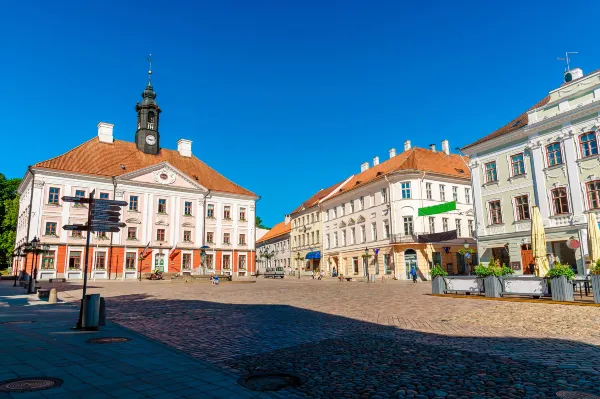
188	224
342	224
162	223
361	219
351	222
133	220
162	174
469	212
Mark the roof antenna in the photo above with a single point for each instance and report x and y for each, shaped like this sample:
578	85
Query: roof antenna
566	59
149	59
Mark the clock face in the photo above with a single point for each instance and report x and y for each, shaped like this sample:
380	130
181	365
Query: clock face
151	140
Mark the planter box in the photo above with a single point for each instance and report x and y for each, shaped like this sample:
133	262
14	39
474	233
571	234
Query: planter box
562	289
465	284
493	287
521	285
596	287
438	285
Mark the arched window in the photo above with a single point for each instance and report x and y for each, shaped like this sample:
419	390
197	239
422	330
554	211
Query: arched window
554	154
588	143
150	120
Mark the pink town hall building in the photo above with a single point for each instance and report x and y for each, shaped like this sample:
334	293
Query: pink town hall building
182	215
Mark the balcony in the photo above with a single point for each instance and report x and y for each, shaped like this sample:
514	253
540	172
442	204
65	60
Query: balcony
403	238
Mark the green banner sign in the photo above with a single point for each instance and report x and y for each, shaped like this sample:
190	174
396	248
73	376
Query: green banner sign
437	209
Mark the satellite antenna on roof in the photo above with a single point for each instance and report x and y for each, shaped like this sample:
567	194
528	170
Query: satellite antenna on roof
566	59
570	74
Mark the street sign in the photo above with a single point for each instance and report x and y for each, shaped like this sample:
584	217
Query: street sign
106	229
80	200
75	227
106	218
96	223
107	207
106	213
111	202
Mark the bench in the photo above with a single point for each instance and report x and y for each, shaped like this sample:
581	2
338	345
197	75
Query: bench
57	280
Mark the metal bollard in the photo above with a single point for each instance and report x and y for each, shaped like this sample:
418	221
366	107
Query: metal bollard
102	319
91	312
53	297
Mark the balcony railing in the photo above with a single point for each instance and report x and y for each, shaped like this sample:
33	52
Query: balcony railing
401	238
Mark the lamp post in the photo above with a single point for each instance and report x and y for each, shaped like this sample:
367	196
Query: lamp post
17	254
34	249
466	245
366	263
299	259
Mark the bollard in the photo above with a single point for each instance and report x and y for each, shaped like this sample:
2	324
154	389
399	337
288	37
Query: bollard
53	297
91	312
102	319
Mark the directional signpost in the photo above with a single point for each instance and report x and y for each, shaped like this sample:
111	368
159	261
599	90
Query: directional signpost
104	216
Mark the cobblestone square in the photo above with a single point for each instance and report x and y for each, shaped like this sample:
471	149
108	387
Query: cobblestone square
359	340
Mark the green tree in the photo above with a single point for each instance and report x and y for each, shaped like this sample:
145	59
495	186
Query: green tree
9	213
259	224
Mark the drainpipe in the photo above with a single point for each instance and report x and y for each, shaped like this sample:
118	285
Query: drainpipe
204	231
390	202
110	247
29	217
259	198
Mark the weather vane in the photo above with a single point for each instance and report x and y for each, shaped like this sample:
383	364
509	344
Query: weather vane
566	59
149	59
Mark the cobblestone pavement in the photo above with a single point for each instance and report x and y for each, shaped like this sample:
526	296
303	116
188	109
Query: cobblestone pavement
363	340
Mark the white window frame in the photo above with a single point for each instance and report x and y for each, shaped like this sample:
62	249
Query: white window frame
447	226
509	163
551	201
135	260
191	259
402	188
487	208
484	175
428	191
442	189
577	137
455	193
561	143
467	195
513	200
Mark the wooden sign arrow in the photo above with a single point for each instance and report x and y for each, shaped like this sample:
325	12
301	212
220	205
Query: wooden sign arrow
79	200
106	223
105	213
103	207
106	218
75	227
106	229
111	202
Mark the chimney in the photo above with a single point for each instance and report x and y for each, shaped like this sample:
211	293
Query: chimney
432	147
184	147
407	145
364	166
105	132
392	152
446	147
375	161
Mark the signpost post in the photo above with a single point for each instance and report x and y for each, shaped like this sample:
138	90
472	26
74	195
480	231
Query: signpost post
103	215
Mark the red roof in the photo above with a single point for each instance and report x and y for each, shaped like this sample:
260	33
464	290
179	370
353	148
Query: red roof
314	200
105	159
278	230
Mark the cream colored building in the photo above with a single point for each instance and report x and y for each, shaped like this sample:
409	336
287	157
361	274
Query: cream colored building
549	157
306	235
371	224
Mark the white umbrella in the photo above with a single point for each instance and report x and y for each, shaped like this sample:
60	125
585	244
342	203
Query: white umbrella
538	243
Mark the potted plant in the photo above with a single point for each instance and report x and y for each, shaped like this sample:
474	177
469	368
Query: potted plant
595	272
438	284
492	274
560	282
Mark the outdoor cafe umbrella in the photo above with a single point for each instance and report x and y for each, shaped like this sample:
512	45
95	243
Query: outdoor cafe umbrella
538	243
593	237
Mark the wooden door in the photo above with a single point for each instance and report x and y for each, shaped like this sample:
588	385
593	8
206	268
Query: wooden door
526	258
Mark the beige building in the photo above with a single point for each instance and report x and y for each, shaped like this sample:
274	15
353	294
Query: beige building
372	224
548	156
306	235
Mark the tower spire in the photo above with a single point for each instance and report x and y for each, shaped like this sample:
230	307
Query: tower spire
149	59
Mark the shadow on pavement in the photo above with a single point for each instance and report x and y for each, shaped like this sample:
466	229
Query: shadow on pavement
339	357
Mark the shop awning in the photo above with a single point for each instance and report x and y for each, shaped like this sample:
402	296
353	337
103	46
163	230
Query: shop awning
313	255
437	209
438	237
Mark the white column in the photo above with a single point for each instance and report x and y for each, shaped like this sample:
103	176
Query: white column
116	237
148	219
36	210
572	174
477	201
66	208
175	221
199	222
539	181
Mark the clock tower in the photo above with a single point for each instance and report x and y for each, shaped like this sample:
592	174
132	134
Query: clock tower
147	138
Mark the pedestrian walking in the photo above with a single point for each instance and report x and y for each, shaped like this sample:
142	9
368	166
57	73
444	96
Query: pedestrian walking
413	273
313	274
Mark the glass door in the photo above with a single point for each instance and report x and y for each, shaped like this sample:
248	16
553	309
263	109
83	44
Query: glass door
159	262
410	260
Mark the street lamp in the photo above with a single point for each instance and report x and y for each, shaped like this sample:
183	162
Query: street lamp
17	254
366	263
34	249
466	244
299	259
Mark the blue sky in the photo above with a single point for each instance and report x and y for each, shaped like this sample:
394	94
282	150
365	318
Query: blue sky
282	97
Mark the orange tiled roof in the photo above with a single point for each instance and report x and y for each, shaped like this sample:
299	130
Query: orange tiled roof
418	159
516	124
105	159
314	200
277	230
